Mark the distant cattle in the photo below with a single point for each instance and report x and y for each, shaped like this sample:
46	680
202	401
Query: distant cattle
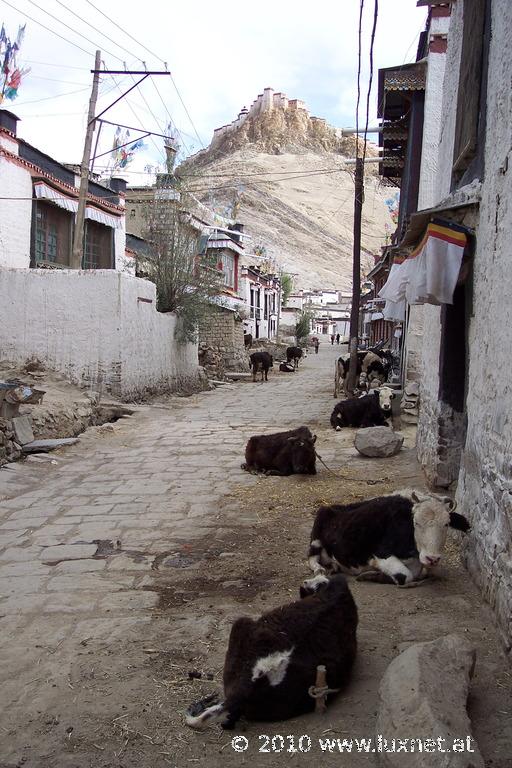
261	361
287	367
371	410
270	669
282	453
397	537
294	354
371	364
247	339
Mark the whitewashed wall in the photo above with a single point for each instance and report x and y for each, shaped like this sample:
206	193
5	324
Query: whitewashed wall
100	328
15	215
485	483
484	491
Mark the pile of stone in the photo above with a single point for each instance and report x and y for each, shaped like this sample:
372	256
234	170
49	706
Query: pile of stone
10	450
211	360
410	403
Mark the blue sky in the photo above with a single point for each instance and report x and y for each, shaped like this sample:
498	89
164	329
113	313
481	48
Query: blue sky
221	55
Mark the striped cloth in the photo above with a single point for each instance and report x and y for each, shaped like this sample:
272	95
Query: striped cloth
430	273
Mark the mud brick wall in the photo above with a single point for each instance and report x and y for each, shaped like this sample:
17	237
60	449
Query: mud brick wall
221	344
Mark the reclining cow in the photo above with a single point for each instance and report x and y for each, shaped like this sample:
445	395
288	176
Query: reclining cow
372	410
271	663
261	361
398	537
282	453
293	355
286	367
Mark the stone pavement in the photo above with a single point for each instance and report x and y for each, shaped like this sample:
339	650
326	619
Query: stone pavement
82	542
78	538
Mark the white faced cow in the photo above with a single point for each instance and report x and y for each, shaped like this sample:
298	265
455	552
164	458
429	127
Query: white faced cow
396	538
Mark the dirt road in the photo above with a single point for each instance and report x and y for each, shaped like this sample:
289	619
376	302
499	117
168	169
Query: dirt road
123	566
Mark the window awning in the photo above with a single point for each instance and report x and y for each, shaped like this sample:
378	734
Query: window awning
44	192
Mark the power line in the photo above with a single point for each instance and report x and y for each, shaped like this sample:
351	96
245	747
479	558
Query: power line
130	53
55	18
24	13
370	79
56	96
152	53
59	66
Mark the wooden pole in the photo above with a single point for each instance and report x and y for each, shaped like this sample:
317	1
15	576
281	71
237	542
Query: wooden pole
321	683
350	381
78	238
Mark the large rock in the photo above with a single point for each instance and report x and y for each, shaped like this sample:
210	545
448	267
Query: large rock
423	696
378	441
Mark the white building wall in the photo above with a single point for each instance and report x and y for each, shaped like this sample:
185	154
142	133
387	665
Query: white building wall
100	328
15	215
485	491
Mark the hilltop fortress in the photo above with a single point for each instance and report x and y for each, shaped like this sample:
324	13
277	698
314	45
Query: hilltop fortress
274	123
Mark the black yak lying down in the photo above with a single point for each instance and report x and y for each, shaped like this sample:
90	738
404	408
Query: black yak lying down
271	663
283	453
367	411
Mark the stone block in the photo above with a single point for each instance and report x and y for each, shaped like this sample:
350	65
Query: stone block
67	552
423	696
378	441
22	426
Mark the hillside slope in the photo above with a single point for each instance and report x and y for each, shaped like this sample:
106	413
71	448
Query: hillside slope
284	180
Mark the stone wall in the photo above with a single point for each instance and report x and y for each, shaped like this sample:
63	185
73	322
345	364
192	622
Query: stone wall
221	344
100	328
484	491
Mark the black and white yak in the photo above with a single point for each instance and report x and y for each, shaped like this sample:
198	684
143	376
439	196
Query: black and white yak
372	410
396	538
271	663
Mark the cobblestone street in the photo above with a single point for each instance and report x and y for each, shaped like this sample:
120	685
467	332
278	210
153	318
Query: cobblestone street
123	565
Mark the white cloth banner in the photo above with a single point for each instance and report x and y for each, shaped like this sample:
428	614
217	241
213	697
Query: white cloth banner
429	275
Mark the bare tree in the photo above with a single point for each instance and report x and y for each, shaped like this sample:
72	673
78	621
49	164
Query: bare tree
187	277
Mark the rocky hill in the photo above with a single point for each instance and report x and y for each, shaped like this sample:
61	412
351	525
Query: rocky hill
281	172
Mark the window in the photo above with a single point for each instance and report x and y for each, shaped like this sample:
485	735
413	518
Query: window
98	250
227	261
471	89
51	235
252	302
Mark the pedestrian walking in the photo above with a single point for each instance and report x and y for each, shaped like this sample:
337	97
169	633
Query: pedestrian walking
332	338
317	344
337	338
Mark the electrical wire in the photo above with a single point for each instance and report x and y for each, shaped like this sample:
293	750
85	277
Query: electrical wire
159	58
24	13
370	79
84	21
56	18
55	96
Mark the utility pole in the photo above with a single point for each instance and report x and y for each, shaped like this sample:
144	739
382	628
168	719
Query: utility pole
78	238
350	381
